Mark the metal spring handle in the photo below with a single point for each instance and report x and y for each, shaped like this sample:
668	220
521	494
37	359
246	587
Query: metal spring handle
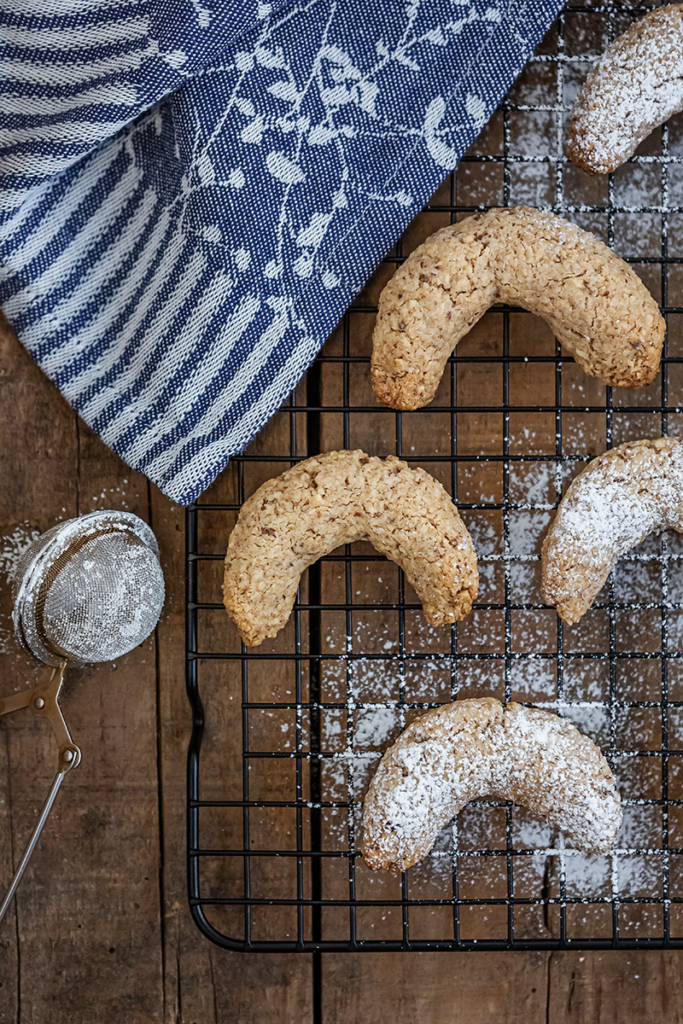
44	700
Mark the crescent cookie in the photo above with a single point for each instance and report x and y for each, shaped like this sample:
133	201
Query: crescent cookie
636	85
618	499
477	748
338	498
594	303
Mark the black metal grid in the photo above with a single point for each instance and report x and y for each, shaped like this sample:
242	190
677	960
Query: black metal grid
272	824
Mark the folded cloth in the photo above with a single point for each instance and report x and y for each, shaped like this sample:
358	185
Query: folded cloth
175	279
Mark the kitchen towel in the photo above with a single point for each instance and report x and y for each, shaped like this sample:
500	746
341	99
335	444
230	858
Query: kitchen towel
193	191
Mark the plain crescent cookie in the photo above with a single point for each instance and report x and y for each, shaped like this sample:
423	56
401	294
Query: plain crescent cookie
338	498
636	85
619	498
478	748
594	303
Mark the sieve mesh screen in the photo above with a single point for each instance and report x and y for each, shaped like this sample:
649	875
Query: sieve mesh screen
89	590
104	600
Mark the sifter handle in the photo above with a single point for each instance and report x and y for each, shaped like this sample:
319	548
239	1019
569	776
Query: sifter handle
59	778
44	699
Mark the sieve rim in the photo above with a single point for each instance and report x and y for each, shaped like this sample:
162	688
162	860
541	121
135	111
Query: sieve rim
29	600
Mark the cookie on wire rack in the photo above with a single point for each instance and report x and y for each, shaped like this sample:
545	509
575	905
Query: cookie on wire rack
594	303
636	85
482	748
612	505
334	499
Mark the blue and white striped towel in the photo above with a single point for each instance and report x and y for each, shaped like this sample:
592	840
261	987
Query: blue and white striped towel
175	268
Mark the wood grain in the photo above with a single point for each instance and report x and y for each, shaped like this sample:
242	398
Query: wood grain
397	988
615	987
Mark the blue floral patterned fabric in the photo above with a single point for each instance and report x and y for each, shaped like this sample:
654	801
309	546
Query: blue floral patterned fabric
174	268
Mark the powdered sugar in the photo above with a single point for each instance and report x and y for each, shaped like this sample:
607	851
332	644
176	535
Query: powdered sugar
636	85
12	547
620	498
477	748
375	727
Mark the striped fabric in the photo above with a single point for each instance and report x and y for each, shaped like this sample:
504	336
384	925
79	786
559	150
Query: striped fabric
175	268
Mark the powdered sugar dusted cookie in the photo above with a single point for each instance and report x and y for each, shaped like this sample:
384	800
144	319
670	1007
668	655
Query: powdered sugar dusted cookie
618	499
595	304
477	748
335	499
636	85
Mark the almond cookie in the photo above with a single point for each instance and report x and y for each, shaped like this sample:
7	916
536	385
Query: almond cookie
596	306
618	499
480	748
336	499
636	85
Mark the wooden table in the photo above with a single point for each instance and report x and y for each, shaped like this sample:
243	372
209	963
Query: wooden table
101	929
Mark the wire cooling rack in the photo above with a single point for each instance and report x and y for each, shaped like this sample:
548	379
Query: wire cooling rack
293	729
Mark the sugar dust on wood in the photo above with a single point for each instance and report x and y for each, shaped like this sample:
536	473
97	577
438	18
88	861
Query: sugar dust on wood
12	547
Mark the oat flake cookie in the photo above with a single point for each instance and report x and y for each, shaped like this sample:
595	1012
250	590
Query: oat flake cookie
338	498
594	303
478	748
619	498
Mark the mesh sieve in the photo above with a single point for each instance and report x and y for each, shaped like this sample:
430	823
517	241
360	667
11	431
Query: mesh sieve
88	590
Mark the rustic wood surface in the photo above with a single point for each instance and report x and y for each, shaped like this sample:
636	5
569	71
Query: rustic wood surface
101	930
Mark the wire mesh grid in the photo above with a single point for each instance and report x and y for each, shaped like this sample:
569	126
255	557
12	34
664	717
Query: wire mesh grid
286	736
